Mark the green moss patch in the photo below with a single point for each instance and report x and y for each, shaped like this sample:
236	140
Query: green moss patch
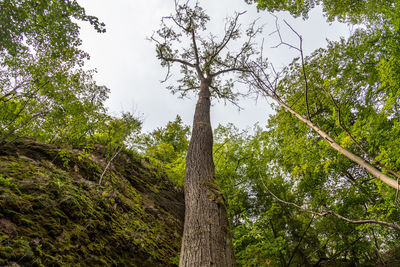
53	212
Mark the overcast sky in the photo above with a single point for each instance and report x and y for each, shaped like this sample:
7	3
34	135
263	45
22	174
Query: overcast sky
126	62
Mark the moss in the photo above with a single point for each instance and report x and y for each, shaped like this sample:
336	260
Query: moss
214	191
60	215
6	252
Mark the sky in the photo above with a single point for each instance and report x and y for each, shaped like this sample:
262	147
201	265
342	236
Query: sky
126	61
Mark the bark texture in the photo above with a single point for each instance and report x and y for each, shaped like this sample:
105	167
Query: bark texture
206	238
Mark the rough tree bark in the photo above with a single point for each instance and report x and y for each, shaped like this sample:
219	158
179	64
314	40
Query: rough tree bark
206	238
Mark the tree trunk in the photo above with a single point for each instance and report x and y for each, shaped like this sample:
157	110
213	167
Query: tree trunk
206	237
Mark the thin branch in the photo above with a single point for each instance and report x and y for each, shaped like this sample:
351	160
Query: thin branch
275	236
228	35
353	181
30	97
300	49
196	53
280	36
301	239
184	62
229	70
160	48
108	164
238	58
168	75
332	213
12	92
21	126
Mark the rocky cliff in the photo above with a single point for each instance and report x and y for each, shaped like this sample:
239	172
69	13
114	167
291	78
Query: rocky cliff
54	212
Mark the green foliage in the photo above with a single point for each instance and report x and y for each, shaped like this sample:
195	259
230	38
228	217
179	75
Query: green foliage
167	147
363	11
295	7
276	179
286	163
175	260
44	92
116	133
65	156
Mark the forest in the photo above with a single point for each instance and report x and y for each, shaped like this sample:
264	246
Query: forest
317	185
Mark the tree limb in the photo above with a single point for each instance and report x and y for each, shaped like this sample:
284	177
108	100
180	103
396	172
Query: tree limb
332	213
257	80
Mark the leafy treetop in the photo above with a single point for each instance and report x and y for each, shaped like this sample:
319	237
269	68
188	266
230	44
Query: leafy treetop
43	90
343	10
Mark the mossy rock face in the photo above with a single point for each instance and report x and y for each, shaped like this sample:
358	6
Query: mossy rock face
53	212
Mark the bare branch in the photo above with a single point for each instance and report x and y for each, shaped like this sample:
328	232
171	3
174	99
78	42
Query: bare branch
196	53
229	70
332	213
239	60
168	75
280	36
109	163
300	49
228	36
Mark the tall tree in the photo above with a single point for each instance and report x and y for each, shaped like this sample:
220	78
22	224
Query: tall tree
206	238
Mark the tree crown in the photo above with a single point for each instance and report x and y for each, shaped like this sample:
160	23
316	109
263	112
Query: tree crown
183	39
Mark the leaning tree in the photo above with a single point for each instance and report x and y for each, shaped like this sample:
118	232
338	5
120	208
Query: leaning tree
265	80
204	60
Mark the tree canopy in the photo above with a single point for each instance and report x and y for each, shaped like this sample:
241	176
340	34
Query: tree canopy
44	92
207	55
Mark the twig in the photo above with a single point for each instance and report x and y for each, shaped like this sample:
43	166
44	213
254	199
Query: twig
332	213
301	239
108	164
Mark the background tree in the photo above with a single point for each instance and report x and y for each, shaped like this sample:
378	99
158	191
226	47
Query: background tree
295	184
206	238
283	197
279	89
44	92
363	11
167	146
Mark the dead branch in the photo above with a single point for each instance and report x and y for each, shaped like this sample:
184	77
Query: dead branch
109	163
300	49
